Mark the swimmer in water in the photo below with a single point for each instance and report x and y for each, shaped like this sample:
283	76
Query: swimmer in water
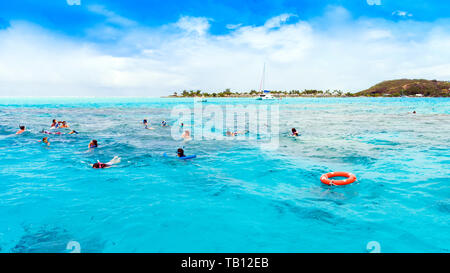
414	112
163	123
64	125
236	133
186	135
55	124
22	129
50	133
294	132
45	141
93	144
182	125
100	165
57	133
146	125
180	152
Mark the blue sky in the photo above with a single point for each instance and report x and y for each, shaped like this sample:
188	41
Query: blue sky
138	47
72	20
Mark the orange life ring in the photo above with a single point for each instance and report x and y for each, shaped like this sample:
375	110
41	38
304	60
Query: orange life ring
326	178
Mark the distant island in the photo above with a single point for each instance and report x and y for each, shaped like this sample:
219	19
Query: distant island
393	88
404	87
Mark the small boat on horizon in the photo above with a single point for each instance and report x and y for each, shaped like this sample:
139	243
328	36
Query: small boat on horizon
265	94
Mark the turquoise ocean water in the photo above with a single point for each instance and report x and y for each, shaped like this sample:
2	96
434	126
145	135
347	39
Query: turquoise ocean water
235	196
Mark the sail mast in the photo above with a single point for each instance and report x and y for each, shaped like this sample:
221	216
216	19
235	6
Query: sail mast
261	86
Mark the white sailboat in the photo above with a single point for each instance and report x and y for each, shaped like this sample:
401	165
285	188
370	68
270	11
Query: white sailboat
264	94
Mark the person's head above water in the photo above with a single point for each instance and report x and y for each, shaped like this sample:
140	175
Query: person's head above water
180	152
55	123
294	132
93	143
144	121
22	130
98	165
45	141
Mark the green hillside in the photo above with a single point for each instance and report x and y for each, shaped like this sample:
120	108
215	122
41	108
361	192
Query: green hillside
407	87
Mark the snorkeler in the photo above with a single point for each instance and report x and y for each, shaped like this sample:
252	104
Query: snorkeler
146	125
50	133
57	133
236	133
93	144
181	155
100	165
55	124
45	141
180	152
64	125
22	129
294	132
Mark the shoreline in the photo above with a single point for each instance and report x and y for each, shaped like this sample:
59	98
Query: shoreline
206	98
278	98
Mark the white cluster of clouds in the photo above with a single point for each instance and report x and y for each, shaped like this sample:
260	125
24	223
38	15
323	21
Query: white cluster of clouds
334	51
277	21
374	2
198	25
402	13
110	16
73	2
